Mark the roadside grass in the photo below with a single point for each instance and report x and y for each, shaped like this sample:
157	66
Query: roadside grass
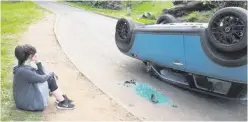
197	16
146	6
14	20
136	12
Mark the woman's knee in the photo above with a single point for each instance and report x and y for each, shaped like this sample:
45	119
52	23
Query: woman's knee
52	84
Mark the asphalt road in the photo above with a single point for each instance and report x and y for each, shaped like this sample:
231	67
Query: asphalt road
88	41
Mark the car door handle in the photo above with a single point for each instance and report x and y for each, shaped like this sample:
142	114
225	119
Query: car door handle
178	63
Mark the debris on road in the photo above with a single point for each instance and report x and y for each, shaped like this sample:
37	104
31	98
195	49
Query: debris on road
175	106
146	91
130	82
153	99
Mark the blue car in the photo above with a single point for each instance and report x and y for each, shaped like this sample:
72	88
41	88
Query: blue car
205	57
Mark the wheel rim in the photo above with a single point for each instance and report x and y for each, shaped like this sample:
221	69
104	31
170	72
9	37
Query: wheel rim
228	29
122	30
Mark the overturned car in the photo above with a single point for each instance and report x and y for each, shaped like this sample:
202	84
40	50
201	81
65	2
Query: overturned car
205	57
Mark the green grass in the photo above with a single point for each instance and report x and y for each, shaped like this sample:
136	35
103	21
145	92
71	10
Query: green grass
139	8
136	11
197	16
158	6
14	20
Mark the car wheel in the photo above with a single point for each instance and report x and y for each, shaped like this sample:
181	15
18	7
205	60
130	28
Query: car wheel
231	59
123	34
227	29
166	18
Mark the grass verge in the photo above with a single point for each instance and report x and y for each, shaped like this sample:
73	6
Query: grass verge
197	16
139	8
16	16
136	11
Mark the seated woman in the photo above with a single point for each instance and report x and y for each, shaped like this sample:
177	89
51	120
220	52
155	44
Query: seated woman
31	86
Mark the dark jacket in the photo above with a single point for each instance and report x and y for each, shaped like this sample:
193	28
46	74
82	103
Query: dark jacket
26	93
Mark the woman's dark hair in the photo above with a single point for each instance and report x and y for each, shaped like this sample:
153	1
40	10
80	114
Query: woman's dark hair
22	52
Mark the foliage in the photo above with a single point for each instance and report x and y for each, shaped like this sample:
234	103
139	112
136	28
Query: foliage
223	4
148	15
217	3
138	9
148	11
112	5
202	11
192	17
197	16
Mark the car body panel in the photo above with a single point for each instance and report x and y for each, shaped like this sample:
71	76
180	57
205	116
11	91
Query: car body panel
198	62
158	48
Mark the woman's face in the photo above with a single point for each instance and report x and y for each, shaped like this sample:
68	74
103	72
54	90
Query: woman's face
34	57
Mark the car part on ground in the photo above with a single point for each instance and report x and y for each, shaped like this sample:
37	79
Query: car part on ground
153	99
155	96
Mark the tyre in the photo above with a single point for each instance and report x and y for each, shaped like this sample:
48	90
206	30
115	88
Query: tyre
230	59
123	34
166	18
227	29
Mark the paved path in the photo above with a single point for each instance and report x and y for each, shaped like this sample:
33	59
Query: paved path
88	41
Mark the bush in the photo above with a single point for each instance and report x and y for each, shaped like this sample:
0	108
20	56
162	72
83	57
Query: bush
113	5
132	3
197	16
223	4
200	11
192	17
148	15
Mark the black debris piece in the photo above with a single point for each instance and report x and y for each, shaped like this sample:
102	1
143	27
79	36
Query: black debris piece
153	99
130	82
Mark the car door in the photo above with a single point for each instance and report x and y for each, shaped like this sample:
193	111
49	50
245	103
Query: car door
163	49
